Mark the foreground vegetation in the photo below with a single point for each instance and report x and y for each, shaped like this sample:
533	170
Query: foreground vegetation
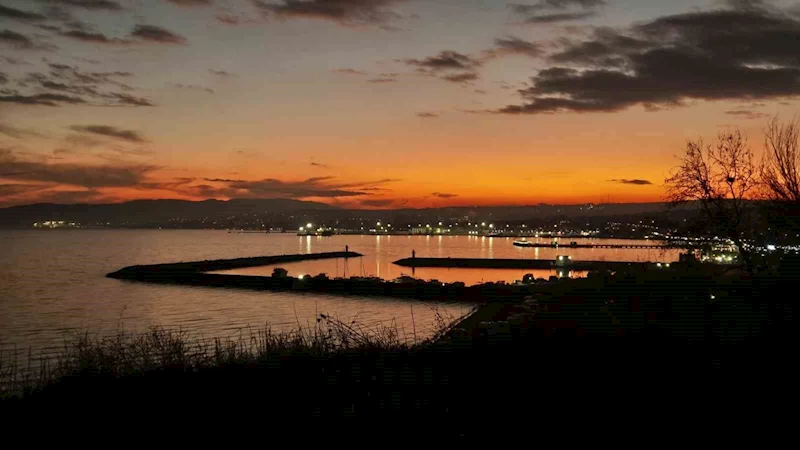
652	324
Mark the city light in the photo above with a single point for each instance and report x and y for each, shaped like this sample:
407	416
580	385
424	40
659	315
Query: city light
771	247
308	225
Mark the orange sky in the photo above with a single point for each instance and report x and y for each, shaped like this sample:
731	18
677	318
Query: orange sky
394	103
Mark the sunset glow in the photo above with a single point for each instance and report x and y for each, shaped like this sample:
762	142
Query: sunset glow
378	104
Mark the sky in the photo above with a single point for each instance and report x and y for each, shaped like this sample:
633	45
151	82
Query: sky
380	103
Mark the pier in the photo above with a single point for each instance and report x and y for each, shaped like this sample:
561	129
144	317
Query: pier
632	246
480	263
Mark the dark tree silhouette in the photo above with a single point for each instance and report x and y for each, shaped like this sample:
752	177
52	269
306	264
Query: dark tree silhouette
780	175
779	170
721	179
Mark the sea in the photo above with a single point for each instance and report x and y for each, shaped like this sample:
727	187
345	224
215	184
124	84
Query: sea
53	285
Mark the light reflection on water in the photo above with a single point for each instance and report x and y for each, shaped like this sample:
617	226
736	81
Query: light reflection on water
52	282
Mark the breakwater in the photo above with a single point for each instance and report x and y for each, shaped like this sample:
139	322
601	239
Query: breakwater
171	269
482	263
196	274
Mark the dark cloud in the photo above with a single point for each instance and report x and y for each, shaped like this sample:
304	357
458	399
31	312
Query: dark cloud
13	61
560	17
41	99
731	54
514	46
567	10
68	84
107	5
443	195
350	72
745	114
223	180
191	2
193	87
221	73
313	187
17	14
461	77
94	37
344	12
633	182
324	187
129	100
3	78
316	164
554	11
445	60
110	131
427	115
16	40
382	80
548	5
89	176
157	34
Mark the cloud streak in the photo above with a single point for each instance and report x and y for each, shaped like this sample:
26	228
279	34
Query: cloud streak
343	12
112	132
634	182
88	176
554	11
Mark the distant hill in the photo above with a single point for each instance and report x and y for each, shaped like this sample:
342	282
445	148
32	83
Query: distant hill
152	212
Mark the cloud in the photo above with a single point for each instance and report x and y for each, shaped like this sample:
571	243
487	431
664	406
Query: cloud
443	195
316	164
192	87
89	176
69	85
568	10
427	115
514	46
223	180
16	40
107	5
350	72
729	54
110	131
319	187
153	33
382	80
745	114
313	187
632	182
41	99
465	77
191	2
445	60
93	37
343	12
17	14
221	73
559	17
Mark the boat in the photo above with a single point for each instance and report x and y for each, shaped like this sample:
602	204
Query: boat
523	243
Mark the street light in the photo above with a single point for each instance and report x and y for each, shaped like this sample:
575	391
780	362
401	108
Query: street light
308	225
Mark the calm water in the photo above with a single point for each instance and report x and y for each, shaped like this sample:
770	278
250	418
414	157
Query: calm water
52	282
